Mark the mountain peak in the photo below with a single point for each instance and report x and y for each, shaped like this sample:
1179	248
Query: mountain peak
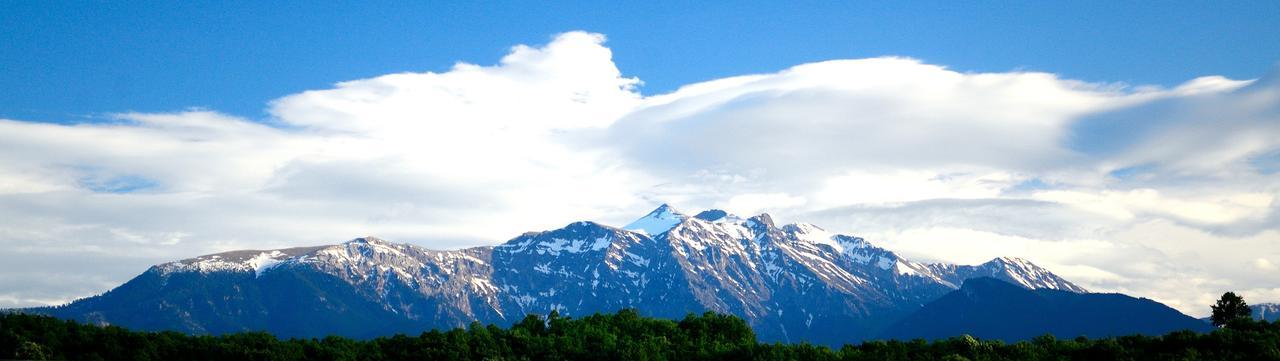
1012	262
813	234
1023	272
369	239
658	221
1007	260
762	219
711	215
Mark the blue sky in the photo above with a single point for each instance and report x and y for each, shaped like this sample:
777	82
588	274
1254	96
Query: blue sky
71	61
1127	147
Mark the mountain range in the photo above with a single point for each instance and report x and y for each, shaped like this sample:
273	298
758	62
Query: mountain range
791	282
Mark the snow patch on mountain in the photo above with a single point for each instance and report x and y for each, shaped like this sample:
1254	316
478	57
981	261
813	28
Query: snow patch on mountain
814	234
255	261
658	221
265	261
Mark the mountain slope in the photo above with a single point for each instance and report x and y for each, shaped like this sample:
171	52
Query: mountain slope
1009	269
790	282
588	267
359	288
1266	311
994	309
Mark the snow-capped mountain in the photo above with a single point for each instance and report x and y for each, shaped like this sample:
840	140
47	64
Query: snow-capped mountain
1266	311
791	282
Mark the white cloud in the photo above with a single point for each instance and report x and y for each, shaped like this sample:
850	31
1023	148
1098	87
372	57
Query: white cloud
855	187
872	114
1149	191
752	203
1264	265
465	157
1215	208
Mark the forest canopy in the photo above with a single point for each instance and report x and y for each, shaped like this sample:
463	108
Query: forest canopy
625	335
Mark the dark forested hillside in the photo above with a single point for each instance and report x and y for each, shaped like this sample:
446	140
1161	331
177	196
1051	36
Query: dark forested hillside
994	309
621	336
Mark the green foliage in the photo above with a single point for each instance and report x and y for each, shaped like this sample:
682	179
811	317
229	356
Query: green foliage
30	351
1229	309
624	335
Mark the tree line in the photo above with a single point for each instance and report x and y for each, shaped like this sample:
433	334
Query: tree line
625	335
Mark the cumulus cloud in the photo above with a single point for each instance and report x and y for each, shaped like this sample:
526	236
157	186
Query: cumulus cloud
1162	193
465	157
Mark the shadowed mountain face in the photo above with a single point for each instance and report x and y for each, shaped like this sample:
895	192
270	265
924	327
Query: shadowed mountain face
994	309
792	282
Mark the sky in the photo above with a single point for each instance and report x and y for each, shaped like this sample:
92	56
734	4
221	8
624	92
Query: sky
1127	148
